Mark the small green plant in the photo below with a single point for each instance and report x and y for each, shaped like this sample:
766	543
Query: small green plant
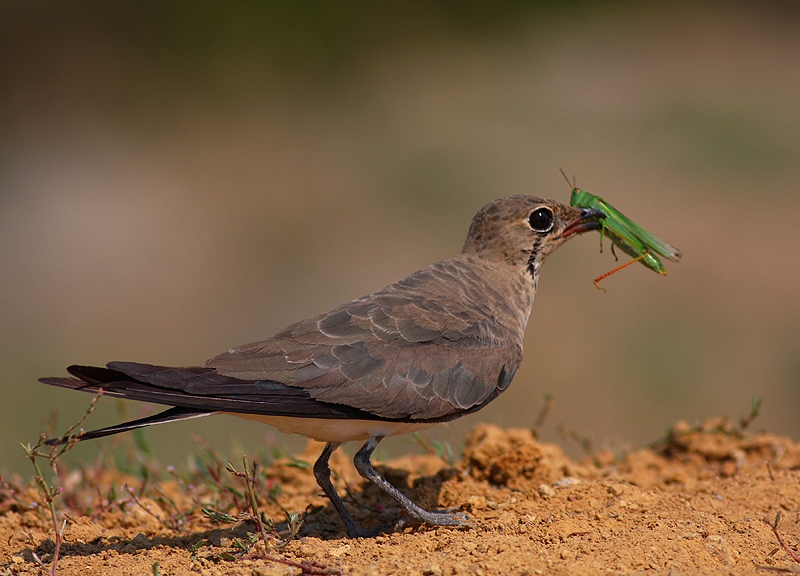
585	441
266	529
755	410
49	492
717	425
442	449
264	524
297	463
792	554
549	400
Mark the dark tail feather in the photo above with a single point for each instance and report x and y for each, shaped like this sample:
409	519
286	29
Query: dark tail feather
171	415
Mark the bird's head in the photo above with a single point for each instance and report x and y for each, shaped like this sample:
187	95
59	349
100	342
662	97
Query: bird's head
525	230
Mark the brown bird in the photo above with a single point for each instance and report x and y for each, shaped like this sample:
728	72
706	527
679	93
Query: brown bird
437	345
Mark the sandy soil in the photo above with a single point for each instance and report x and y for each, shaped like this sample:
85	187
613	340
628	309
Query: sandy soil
703	502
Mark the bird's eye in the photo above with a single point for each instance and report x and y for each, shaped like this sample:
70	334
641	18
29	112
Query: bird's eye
541	219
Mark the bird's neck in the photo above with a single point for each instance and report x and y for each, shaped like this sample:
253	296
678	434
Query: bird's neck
506	292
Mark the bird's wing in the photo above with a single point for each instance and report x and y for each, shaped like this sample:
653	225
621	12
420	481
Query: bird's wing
420	349
428	348
200	390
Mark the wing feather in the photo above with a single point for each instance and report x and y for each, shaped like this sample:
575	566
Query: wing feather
424	348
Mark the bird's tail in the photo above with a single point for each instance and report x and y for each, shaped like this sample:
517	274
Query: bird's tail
170	415
93	379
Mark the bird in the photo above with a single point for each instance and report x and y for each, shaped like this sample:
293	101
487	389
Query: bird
437	345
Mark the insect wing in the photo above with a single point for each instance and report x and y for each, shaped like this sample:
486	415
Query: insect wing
649	242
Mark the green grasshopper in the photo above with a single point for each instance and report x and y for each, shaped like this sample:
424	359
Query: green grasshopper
624	233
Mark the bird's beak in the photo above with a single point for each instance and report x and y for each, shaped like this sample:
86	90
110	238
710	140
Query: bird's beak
589	219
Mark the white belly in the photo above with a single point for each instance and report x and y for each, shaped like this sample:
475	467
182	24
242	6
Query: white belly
325	430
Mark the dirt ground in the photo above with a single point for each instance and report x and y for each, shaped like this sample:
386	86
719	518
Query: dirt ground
705	501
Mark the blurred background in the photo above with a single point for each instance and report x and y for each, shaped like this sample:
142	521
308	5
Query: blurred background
179	178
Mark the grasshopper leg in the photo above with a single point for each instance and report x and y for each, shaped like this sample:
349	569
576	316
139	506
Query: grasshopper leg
615	270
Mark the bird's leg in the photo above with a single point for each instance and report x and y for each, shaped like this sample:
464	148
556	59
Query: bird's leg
322	472
364	467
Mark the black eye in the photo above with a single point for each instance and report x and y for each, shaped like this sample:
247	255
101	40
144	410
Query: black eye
541	219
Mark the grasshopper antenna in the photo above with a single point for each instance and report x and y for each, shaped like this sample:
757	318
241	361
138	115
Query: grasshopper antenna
572	185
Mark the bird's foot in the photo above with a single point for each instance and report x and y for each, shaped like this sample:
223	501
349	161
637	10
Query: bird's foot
442	518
